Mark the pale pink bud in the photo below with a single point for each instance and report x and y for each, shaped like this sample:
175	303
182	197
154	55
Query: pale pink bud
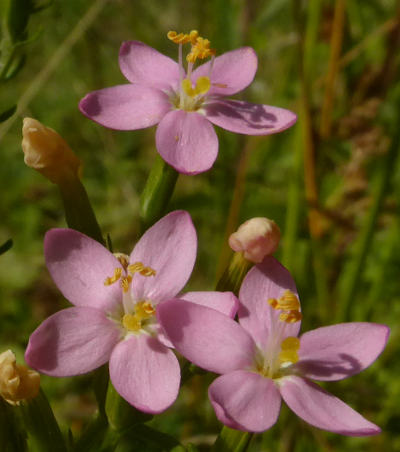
256	238
17	382
47	152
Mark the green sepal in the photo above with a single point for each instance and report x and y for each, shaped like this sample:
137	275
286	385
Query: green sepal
230	440
146	439
79	213
157	192
232	278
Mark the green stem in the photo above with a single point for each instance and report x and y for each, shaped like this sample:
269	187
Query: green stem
352	274
79	213
44	434
230	440
157	192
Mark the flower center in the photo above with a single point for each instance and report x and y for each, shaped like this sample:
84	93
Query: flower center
143	311
137	316
280	353
190	96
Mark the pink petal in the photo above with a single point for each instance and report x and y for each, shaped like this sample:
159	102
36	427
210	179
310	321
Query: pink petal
206	337
250	119
72	342
339	351
145	373
224	302
234	70
126	107
187	141
79	266
264	281
169	247
245	401
323	410
146	66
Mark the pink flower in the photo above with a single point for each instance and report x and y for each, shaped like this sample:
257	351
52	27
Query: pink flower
184	104
115	299
262	360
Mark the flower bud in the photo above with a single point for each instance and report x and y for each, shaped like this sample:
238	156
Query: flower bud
48	153
256	238
17	382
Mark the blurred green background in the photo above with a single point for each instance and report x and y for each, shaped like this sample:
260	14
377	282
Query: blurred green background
331	182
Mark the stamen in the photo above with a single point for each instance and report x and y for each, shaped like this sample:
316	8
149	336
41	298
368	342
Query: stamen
290	303
112	279
200	50
144	310
183	38
138	267
125	281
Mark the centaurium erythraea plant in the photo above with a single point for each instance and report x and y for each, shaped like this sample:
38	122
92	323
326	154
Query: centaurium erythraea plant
262	359
184	103
115	299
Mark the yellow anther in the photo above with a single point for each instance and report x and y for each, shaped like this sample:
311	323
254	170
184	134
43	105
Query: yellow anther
200	50
138	267
144	310
202	86
290	317
287	302
131	322
193	35
112	279
125	281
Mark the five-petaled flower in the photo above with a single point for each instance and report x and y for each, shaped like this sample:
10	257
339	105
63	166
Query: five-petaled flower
115	299
262	360
185	104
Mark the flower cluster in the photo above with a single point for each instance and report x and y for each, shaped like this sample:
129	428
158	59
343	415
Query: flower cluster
129	310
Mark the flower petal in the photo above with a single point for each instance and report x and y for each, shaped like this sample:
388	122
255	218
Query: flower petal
206	337
187	141
245	401
79	266
247	118
224	302
169	247
339	351
323	410
231	72
264	281
145	373
72	342
125	107
148	67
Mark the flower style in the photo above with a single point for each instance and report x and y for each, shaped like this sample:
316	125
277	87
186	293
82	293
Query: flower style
262	360
115	298
185	104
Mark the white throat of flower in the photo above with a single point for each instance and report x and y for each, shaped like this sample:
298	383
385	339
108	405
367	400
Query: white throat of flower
279	354
190	96
138	315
